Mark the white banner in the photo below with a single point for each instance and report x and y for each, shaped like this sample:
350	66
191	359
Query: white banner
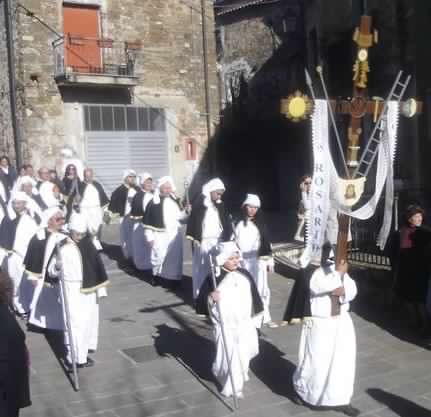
320	188
327	184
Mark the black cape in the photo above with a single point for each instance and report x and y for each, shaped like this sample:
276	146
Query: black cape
265	244
118	200
93	271
195	222
33	261
298	306
79	192
8	232
14	365
104	200
137	209
38	199
153	216
207	287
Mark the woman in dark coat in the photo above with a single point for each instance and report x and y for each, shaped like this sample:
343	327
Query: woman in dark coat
411	265
8	174
14	360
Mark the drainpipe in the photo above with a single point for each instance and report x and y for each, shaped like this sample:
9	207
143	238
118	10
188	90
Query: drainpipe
206	76
12	82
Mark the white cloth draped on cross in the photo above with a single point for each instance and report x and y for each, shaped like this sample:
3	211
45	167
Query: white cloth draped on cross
327	190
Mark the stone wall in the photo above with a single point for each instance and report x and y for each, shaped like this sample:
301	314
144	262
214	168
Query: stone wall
169	66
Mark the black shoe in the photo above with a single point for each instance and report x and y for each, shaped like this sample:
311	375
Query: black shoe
88	364
349	410
297	399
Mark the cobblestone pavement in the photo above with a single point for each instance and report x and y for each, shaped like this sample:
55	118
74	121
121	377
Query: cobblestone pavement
154	358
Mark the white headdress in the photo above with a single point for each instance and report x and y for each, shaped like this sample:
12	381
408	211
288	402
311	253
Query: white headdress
212	185
48	213
144	176
19	196
226	250
26	180
252	200
163	180
78	223
128	173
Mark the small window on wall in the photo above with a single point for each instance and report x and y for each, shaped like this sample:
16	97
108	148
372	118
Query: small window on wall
191	150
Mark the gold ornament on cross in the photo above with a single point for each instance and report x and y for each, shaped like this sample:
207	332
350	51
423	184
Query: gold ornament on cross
297	106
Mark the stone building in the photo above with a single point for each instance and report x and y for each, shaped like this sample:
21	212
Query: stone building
120	82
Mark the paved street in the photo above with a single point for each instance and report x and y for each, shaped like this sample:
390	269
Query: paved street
154	358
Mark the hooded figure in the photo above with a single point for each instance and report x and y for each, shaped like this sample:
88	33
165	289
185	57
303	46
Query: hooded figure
252	238
85	280
325	373
162	223
208	224
239	304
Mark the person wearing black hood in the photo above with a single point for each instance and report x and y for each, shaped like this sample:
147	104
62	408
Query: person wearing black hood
325	375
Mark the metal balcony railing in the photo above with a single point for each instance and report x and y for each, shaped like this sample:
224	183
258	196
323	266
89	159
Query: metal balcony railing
74	54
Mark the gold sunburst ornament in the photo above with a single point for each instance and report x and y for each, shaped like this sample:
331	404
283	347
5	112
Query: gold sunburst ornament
297	106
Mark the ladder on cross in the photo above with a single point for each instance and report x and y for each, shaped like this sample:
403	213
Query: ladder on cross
371	149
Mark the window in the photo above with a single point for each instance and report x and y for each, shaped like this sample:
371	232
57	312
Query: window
123	118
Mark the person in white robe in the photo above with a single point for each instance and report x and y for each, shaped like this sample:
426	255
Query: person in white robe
47	189
252	238
38	293
141	247
92	205
120	206
325	373
163	230
208	224
84	279
232	306
16	231
35	205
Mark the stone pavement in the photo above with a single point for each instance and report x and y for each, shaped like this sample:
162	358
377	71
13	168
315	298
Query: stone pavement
155	356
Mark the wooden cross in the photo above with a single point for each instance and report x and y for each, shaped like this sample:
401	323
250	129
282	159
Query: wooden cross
357	107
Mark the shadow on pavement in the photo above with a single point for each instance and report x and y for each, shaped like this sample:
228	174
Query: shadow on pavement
389	317
273	370
399	405
55	339
196	351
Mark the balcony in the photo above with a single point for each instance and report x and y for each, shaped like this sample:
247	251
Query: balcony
95	61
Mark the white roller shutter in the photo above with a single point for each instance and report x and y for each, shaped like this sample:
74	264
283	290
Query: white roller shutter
109	152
